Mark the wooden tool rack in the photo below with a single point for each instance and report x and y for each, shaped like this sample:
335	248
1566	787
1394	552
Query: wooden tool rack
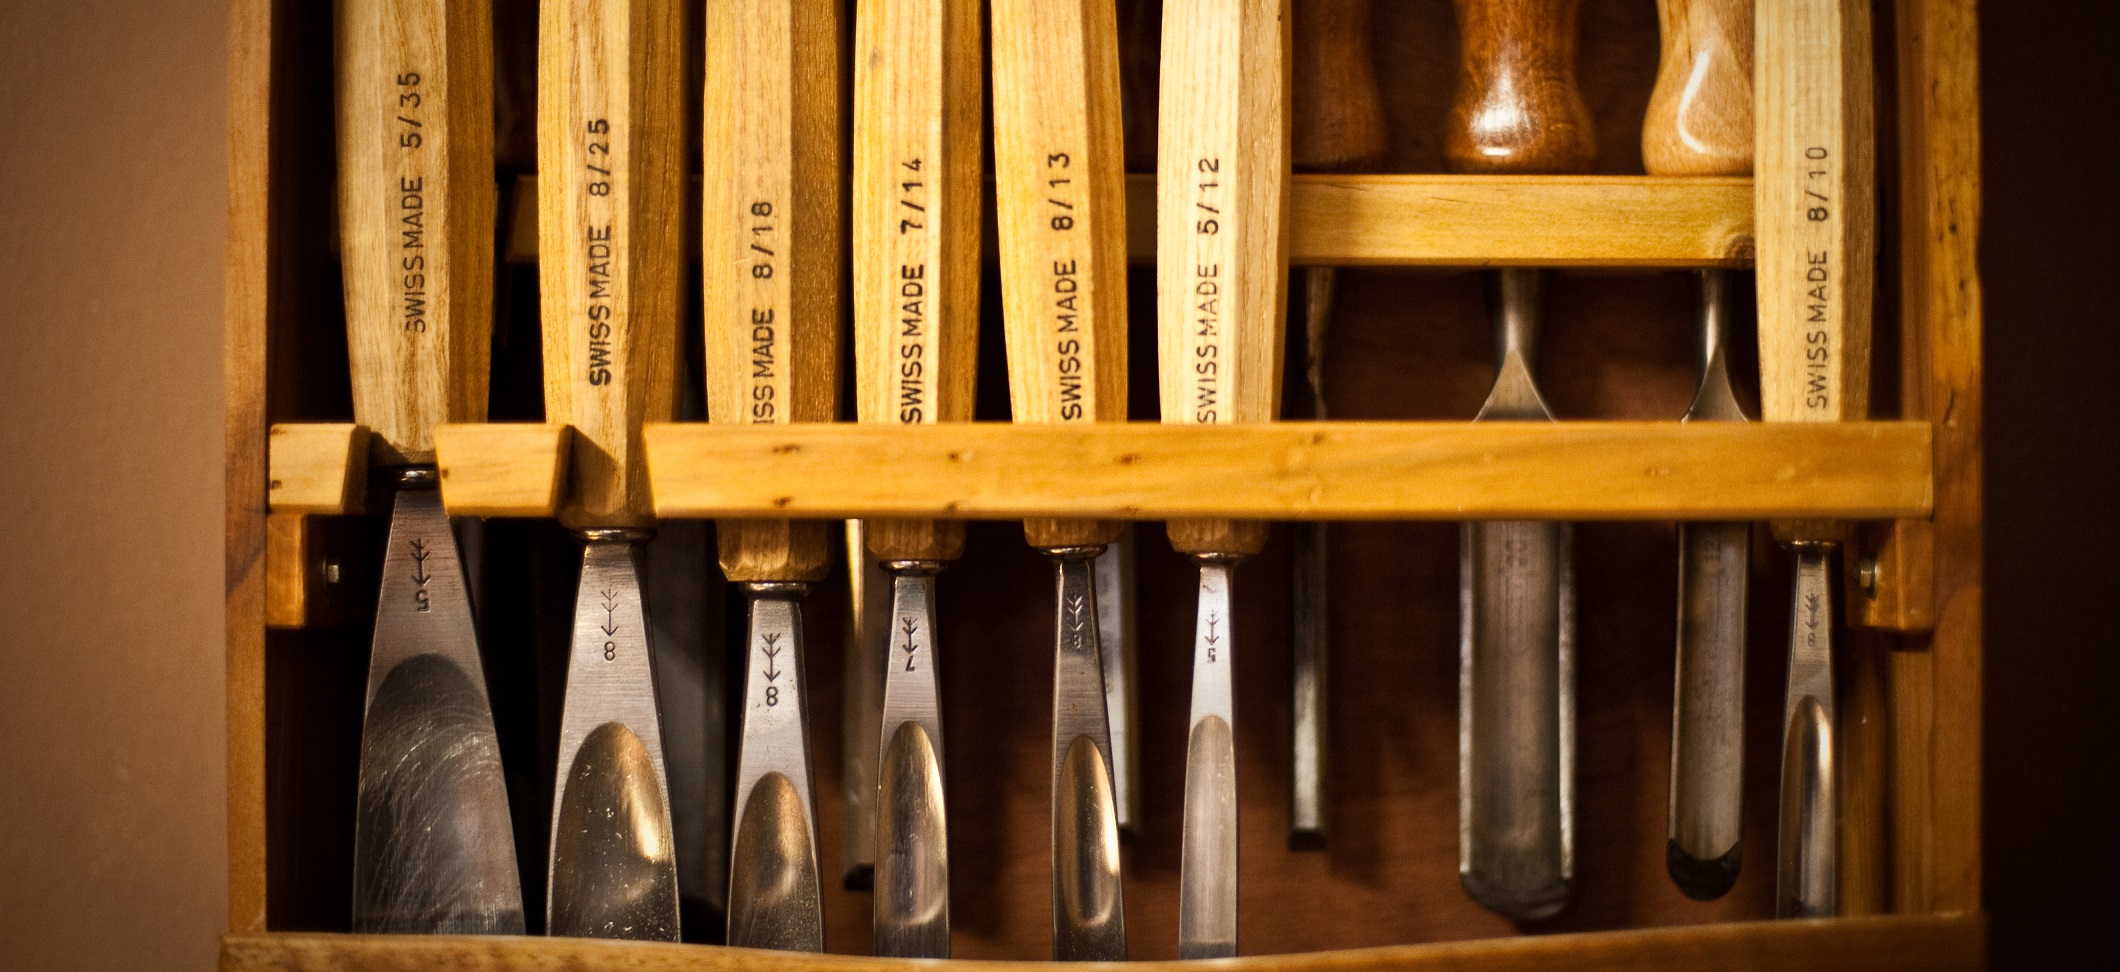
1409	363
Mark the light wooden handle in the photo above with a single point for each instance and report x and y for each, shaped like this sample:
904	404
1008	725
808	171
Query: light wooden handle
416	202
1061	199
1221	211
1518	109
1816	216
919	92
1700	115
1338	122
770	245
609	176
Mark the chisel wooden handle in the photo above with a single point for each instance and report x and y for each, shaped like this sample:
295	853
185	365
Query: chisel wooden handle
1700	114
1339	122
919	91
1221	210
1517	108
610	160
770	246
416	200
1061	198
1816	217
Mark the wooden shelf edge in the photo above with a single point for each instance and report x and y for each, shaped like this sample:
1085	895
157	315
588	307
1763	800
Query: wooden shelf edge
316	467
1447	220
503	469
1884	944
1296	471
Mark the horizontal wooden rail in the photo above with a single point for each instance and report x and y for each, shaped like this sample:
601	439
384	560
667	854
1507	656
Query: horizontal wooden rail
1893	944
1450	220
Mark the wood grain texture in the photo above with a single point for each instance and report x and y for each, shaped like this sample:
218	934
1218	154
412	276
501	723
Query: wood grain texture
1816	212
247	298
1312	470
287	586
1700	113
1337	120
771	247
1518	108
610	155
1222	207
1899	593
1060	197
1937	693
1845	945
416	210
919	97
317	467
503	468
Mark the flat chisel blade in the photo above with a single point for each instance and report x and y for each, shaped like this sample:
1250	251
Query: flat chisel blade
434	850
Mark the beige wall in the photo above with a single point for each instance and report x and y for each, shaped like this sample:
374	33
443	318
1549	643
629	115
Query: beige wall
111	215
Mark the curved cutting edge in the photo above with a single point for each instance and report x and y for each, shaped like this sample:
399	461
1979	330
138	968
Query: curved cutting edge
773	884
614	870
912	850
1207	871
1089	923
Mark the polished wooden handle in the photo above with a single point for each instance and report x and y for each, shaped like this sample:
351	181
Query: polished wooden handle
1816	217
416	201
610	156
1338	120
1061	199
1221	211
770	245
1700	114
1518	109
919	93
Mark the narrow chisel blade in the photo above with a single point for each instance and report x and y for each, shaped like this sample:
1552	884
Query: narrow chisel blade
1089	914
614	853
912	895
1207	868
434	851
774	893
1115	644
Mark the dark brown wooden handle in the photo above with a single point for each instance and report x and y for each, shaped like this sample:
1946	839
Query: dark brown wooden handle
1338	117
1518	109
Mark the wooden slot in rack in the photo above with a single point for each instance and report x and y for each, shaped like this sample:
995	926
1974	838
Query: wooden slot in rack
1449	220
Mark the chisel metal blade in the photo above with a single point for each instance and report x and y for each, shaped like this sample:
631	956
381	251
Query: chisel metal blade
1089	914
1516	681
1115	643
1207	863
614	852
434	850
869	595
912	899
774	893
1703	851
1806	883
1309	756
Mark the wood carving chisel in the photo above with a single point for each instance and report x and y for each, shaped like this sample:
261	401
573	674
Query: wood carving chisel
1816	225
1700	124
919	93
1337	125
1221	271
1517	111
434	849
772	257
609	157
1060	195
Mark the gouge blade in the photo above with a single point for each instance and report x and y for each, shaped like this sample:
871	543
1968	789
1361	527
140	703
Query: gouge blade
614	854
1115	642
1703	851
912	896
434	851
1516	698
869	591
1089	914
774	895
1207	864
1309	773
1807	876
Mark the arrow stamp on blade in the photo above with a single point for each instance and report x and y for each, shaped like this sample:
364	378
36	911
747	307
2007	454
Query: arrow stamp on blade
610	625
419	563
910	626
